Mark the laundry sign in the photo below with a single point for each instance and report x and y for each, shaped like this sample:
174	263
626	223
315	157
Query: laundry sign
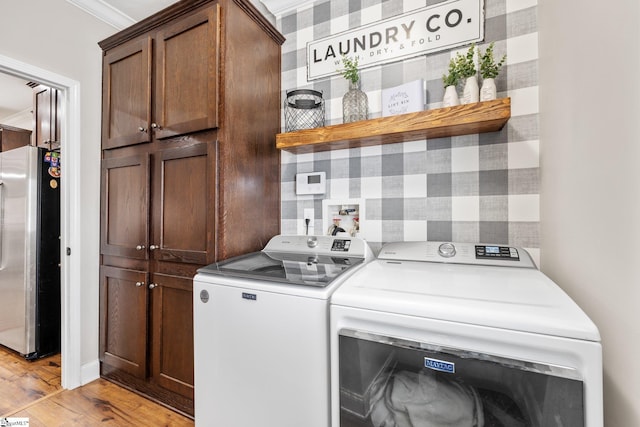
422	31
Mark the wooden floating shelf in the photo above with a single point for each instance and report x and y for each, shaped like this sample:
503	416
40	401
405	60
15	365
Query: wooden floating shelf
479	117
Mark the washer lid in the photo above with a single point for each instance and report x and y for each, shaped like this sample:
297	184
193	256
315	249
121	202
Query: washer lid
314	261
285	268
522	299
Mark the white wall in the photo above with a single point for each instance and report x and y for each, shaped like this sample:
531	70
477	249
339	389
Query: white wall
422	190
55	36
22	119
590	165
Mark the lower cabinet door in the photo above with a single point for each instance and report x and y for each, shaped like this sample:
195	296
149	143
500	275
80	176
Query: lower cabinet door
123	319
172	333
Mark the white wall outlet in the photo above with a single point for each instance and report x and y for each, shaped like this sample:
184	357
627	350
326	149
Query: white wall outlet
308	215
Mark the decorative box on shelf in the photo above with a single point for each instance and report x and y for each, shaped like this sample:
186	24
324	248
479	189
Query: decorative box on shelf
403	99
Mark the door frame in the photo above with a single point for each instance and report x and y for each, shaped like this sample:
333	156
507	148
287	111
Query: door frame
70	228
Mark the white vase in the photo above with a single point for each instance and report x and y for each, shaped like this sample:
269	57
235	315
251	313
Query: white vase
488	90
450	96
471	91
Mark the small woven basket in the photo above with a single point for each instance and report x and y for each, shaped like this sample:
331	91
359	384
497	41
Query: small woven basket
303	109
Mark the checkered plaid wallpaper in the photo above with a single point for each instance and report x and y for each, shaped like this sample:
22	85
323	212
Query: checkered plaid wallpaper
475	188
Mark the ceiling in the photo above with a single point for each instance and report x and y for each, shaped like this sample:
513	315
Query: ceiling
122	13
138	9
16	96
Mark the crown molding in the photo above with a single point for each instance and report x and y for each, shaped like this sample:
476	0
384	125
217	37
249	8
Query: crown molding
104	12
279	7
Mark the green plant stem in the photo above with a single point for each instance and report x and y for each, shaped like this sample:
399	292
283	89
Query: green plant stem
489	69
350	71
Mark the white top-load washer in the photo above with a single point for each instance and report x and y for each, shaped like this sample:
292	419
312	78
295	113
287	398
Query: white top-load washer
442	334
261	332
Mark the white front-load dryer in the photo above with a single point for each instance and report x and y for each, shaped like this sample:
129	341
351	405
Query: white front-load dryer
440	334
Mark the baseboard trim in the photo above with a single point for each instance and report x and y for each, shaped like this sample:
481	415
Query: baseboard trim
90	372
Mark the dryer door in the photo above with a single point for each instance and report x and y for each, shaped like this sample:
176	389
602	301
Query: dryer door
386	381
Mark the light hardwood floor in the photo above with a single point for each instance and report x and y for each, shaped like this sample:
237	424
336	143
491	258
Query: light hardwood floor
32	390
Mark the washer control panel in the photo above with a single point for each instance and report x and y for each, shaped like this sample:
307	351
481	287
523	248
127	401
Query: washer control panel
341	245
320	245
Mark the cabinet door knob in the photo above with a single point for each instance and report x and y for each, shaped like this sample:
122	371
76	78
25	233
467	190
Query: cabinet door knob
153	247
140	247
156	126
142	129
153	285
138	284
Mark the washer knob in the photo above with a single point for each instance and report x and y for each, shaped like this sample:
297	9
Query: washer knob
447	250
312	242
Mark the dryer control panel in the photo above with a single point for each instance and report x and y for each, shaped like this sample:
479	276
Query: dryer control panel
458	253
497	252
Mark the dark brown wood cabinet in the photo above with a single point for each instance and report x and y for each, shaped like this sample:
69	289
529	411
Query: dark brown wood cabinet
126	94
13	137
190	175
184	230
47	116
182	57
124	313
125	206
172	334
186	95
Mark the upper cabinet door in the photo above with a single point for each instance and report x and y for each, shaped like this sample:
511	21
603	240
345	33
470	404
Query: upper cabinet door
186	94
46	103
126	94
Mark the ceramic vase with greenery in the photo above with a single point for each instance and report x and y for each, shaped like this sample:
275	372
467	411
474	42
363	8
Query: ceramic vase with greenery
355	104
451	81
467	68
489	70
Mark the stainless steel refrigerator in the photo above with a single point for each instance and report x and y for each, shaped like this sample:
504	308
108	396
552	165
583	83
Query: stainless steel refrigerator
30	251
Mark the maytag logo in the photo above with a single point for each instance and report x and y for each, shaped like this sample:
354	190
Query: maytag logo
251	297
440	365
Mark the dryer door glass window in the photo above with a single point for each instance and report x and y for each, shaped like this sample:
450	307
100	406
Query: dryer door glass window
388	382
